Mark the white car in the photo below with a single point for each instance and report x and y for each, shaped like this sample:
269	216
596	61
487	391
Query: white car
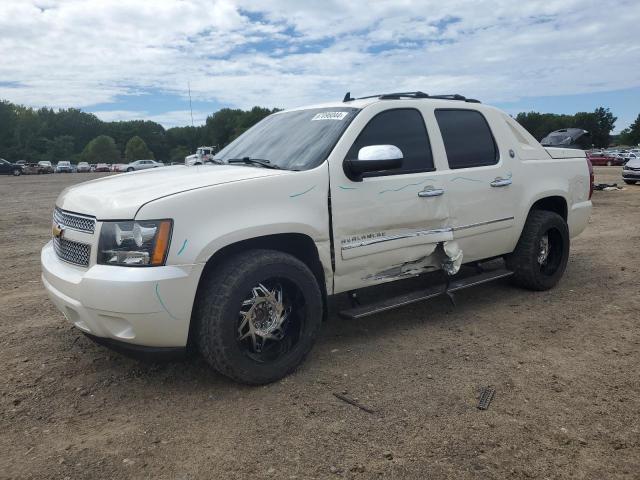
84	167
240	258
143	165
64	166
631	170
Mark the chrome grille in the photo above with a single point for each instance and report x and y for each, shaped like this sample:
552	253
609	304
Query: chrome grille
74	221
72	252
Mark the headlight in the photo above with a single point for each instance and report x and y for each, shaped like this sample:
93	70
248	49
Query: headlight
142	243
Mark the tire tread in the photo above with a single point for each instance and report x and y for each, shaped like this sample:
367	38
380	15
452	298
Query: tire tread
219	287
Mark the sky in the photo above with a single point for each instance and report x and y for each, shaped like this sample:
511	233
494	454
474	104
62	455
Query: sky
131	59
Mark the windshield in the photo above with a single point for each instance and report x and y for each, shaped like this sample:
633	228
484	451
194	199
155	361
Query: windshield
297	140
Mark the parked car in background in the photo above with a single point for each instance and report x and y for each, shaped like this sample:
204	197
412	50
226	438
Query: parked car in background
45	166
103	167
568	138
631	156
21	162
30	169
8	168
83	167
64	166
631	170
603	159
143	165
120	167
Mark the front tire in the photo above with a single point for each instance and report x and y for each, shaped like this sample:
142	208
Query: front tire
630	182
542	252
257	316
130	169
17	172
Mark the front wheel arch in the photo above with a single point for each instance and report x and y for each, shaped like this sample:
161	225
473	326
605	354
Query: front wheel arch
219	300
298	245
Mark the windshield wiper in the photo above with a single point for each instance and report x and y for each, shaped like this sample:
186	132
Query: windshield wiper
254	161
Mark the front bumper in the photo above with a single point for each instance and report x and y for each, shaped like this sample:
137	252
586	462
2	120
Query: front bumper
149	306
631	174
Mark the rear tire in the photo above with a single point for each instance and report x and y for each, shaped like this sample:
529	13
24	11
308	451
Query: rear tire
542	252
237	325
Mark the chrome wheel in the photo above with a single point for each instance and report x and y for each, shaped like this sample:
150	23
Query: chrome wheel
543	250
267	327
550	252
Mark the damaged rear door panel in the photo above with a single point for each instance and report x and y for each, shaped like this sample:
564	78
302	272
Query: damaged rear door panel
483	176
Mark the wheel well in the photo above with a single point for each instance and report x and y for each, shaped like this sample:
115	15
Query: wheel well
554	204
299	245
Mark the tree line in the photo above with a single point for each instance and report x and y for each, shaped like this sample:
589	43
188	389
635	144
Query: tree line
71	134
599	124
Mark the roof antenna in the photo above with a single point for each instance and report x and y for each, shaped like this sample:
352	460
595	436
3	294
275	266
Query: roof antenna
190	107
347	97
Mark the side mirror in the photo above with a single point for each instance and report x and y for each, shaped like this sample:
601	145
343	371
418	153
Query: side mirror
373	158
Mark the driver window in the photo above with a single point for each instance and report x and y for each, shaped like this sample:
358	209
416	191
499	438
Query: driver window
403	128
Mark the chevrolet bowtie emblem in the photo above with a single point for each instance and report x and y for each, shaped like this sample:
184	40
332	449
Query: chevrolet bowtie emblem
57	231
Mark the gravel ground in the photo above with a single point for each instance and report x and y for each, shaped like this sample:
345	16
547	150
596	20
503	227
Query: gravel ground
565	365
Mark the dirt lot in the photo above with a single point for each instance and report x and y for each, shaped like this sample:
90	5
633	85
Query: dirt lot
565	365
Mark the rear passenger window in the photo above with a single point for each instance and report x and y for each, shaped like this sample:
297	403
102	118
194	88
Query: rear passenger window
467	138
403	128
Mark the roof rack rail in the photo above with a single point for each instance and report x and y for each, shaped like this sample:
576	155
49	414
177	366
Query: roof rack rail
418	94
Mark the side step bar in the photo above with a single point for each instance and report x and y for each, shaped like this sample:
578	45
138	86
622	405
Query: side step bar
420	295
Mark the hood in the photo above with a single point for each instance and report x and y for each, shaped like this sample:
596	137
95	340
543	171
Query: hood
633	163
119	197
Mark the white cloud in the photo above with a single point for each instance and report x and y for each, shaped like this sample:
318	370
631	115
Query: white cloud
174	118
286	52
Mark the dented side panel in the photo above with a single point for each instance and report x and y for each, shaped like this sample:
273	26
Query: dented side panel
382	229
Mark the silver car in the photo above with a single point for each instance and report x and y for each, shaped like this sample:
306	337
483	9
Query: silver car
631	170
143	165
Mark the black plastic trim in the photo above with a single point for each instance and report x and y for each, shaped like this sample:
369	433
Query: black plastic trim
140	352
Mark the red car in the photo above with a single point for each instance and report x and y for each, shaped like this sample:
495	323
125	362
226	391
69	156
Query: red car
602	159
102	167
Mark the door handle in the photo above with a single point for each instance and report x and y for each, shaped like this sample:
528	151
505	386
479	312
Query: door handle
431	192
501	182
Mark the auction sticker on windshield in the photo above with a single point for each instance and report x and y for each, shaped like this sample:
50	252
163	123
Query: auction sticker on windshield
330	116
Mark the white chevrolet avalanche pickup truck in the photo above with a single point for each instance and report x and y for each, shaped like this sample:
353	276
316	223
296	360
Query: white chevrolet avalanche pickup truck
239	258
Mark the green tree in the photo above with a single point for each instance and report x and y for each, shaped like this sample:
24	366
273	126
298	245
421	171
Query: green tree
541	124
631	135
60	148
137	149
48	134
101	149
178	153
598	123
